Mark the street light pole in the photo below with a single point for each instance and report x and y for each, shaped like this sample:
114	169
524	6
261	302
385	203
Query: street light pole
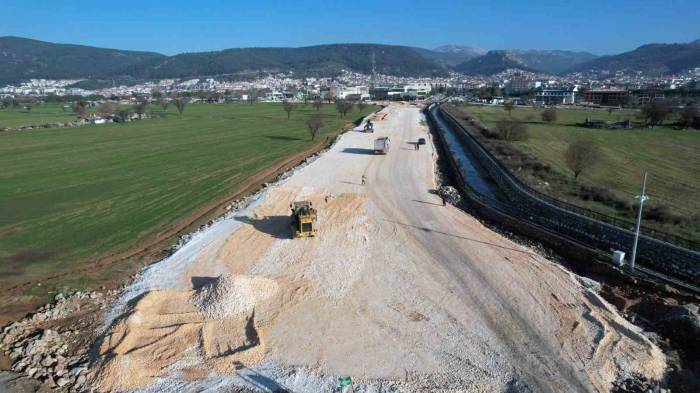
642	198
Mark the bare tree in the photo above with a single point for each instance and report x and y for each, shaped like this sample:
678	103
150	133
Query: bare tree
180	103
140	107
314	123
361	105
343	106
156	93
655	113
164	104
582	155
288	107
79	108
252	96
549	115
690	117
508	106
124	113
105	109
318	104
511	130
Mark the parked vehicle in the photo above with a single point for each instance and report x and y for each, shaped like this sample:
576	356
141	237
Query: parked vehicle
381	145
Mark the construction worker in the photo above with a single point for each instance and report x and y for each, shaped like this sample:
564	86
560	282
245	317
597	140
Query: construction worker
364	180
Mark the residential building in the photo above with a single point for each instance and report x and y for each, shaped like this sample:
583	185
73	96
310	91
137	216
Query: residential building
556	96
519	85
606	97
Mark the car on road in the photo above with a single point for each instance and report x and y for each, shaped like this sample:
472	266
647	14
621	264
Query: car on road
421	141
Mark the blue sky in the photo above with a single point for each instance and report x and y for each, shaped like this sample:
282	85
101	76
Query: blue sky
175	26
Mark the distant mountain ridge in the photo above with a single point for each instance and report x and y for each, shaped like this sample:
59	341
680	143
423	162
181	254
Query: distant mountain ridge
322	60
651	59
451	55
533	60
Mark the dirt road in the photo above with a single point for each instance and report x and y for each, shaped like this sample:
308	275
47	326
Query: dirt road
396	291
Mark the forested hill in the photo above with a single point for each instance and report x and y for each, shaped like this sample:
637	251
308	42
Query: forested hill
651	59
22	59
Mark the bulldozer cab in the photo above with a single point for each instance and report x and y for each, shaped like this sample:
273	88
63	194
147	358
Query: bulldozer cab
303	219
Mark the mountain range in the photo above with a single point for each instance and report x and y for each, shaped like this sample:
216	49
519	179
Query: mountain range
543	61
22	59
651	59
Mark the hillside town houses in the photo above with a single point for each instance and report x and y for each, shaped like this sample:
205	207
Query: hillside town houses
519	86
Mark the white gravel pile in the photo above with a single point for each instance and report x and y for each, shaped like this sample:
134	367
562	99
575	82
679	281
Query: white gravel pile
232	295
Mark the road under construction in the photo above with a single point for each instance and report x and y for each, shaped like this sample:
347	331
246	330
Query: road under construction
395	291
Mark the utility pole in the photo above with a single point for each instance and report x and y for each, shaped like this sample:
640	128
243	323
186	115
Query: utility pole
642	198
373	77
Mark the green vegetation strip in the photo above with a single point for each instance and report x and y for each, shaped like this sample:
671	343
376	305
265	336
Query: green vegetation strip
71	195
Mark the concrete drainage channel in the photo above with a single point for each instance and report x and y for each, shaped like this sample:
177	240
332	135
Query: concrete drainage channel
489	186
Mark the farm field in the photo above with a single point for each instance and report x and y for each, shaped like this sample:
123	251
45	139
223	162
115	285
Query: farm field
669	155
69	196
38	115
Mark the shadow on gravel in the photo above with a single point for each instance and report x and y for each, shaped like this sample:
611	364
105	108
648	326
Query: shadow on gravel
258	380
427	203
424	229
357	150
275	226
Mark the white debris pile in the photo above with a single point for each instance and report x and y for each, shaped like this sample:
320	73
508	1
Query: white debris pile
232	295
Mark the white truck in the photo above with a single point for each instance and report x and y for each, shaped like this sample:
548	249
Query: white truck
381	145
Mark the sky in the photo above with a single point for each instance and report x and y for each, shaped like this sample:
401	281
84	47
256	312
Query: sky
176	26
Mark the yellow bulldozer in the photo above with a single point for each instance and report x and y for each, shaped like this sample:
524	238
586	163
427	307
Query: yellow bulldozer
303	219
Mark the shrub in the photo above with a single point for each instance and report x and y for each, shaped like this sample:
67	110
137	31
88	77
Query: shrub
604	196
660	213
511	130
549	115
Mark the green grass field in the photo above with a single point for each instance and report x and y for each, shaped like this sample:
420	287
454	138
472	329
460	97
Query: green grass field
672	157
71	195
38	115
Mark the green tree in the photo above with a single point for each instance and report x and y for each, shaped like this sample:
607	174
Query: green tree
655	113
690	117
